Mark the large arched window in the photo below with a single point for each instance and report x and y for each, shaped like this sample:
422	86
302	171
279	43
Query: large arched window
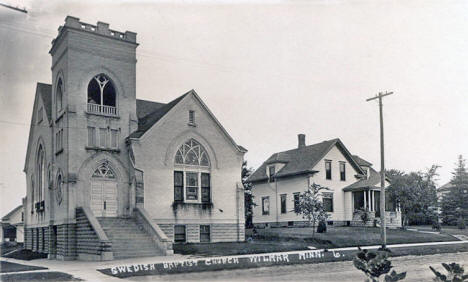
101	95
59	96
59	188
41	174
192	181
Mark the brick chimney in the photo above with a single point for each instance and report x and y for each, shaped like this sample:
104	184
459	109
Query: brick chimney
301	140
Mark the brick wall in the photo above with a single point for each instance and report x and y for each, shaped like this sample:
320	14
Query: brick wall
66	241
28	237
168	229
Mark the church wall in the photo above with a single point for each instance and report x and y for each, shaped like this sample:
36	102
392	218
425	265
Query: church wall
155	154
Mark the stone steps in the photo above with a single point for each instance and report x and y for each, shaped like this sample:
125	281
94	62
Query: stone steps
128	239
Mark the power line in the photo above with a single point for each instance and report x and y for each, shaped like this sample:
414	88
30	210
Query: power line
14	8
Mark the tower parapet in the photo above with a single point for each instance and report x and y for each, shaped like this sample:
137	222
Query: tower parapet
100	28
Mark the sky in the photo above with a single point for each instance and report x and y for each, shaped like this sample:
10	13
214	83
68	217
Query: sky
269	70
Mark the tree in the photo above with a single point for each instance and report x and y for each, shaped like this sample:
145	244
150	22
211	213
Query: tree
248	197
455	202
415	193
310	205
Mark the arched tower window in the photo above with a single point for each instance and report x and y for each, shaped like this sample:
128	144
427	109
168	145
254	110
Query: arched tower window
59	96
101	95
192	179
59	188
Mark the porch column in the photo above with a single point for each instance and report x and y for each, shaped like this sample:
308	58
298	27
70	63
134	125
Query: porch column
365	200
372	199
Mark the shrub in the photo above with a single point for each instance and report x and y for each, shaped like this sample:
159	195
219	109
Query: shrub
322	227
436	224
461	223
454	273
376	264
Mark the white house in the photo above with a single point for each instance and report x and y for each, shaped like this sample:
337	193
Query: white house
353	186
12	225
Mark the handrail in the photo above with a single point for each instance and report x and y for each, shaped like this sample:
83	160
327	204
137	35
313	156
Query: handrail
95	224
158	236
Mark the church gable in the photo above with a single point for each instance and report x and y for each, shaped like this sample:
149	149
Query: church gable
40	118
186	113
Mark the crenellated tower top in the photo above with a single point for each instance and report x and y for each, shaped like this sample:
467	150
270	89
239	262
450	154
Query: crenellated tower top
100	29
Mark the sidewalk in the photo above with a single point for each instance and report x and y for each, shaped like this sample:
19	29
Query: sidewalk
87	270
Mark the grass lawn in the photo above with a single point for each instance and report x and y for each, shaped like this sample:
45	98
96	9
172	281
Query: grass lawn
15	267
352	236
453	230
39	276
23	254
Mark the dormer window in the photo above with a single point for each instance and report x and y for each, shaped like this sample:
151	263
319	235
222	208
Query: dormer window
271	173
102	96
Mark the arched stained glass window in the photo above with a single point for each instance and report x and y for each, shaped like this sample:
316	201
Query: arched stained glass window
59	96
192	153
104	171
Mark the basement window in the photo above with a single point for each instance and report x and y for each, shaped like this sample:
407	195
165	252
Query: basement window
204	233
179	234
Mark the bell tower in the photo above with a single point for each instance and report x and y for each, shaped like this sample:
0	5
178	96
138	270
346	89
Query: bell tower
94	103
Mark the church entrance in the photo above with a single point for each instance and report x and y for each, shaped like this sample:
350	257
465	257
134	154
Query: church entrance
104	192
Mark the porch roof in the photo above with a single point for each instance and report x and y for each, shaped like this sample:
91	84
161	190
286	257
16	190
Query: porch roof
372	182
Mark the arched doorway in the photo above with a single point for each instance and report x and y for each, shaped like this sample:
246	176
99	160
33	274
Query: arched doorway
104	191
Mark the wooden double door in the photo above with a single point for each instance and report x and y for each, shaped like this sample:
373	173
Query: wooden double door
104	198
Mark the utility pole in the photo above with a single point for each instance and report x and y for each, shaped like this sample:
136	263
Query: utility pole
383	231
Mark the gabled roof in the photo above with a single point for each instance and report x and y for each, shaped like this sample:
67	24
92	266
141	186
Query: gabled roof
446	187
301	160
45	90
151	113
360	161
7	216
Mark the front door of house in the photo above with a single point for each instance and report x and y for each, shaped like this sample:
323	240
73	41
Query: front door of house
104	192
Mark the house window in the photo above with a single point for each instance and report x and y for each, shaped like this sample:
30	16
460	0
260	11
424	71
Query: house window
265	205
204	233
342	171
328	170
192	117
101	96
283	203
192	173
103	137
271	173
296	202
92	136
179	233
59	96
40	115
327	199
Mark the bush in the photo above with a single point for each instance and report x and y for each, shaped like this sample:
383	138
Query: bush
454	273
461	223
322	227
376	264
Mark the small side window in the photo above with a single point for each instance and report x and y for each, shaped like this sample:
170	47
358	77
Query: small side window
179	234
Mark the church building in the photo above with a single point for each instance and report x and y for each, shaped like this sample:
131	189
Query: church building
111	176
